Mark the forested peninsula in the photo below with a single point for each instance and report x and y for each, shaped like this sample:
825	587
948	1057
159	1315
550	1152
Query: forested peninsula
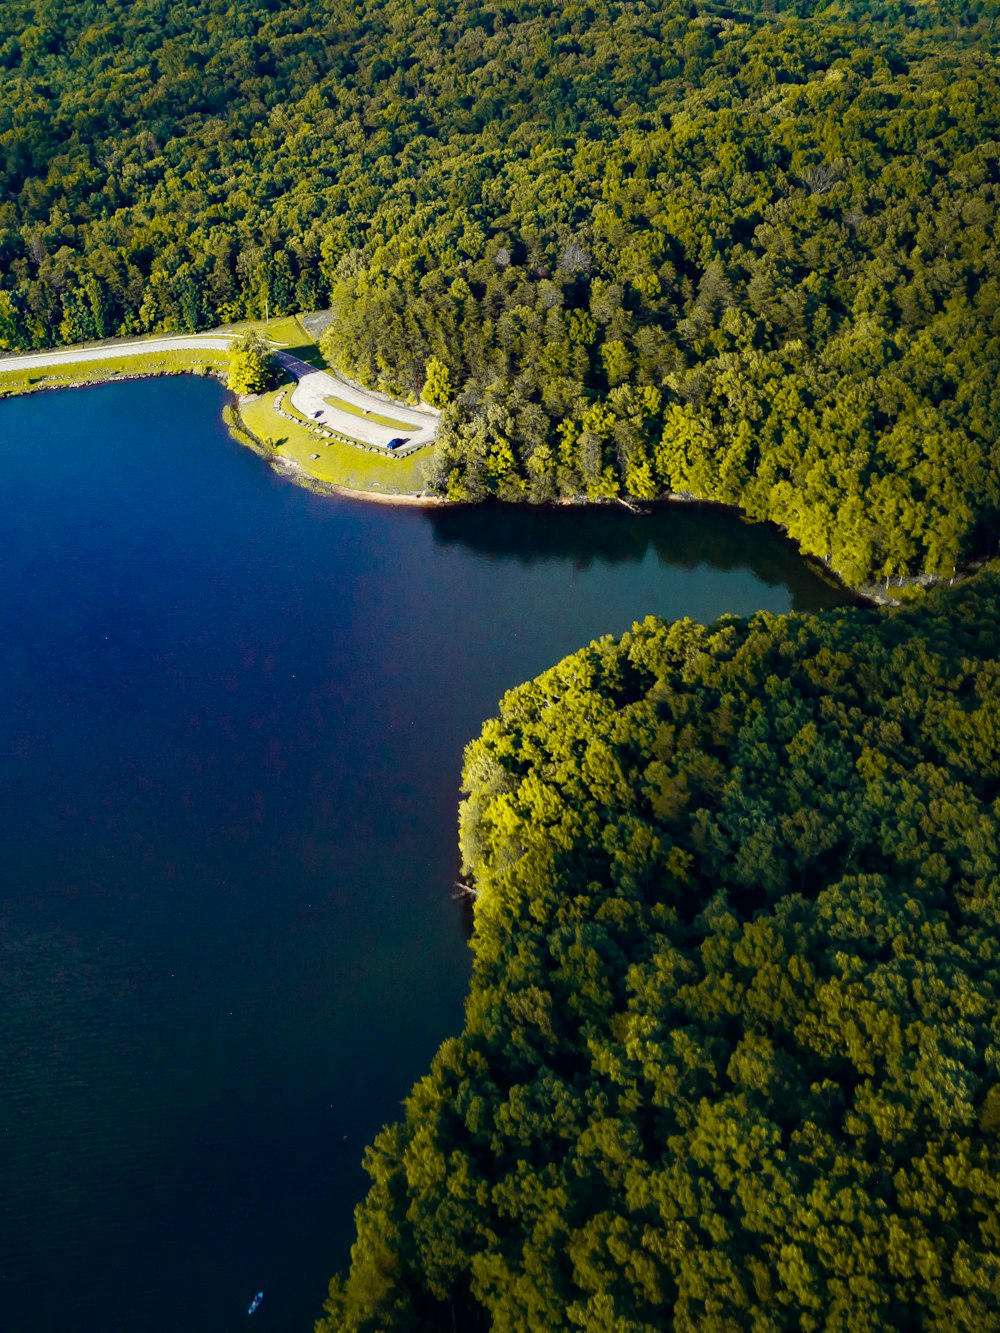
745	252
731	1057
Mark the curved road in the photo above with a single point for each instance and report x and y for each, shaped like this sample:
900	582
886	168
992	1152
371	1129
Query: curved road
418	426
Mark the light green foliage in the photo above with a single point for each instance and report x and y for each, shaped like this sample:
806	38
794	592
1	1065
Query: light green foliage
252	368
10	322
731	1053
437	383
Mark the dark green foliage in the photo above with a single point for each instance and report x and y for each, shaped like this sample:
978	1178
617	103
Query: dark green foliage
746	251
731	1052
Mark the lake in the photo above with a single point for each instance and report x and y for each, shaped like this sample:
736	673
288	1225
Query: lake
232	715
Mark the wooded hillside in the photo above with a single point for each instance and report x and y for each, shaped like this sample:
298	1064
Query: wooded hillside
746	251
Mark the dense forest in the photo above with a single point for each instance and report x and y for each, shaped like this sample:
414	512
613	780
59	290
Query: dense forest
731	1057
745	251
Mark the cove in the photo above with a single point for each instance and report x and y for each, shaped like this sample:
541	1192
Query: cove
232	715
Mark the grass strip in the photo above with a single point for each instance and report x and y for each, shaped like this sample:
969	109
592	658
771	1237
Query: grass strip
342	406
285	335
338	463
69	374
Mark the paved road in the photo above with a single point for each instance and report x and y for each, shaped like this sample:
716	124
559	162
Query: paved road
314	387
61	355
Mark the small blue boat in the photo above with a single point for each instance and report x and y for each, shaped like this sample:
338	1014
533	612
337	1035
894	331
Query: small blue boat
255	1302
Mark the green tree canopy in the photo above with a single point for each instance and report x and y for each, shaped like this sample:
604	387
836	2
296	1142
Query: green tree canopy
780	218
437	383
252	368
731	1056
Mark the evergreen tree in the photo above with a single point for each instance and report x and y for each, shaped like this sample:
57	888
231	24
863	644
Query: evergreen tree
437	383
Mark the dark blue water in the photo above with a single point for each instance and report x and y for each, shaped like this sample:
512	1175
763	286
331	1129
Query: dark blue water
231	723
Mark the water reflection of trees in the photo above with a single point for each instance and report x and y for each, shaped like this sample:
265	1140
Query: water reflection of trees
682	537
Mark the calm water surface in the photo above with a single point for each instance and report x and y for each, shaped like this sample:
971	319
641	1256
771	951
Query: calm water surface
231	724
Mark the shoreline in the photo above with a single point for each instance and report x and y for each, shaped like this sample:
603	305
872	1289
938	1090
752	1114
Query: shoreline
290	469
238	430
115	377
293	471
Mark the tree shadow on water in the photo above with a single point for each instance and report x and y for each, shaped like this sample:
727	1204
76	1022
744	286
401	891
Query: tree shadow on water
684	537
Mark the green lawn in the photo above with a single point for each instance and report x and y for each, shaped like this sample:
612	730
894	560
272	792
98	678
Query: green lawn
286	332
340	464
